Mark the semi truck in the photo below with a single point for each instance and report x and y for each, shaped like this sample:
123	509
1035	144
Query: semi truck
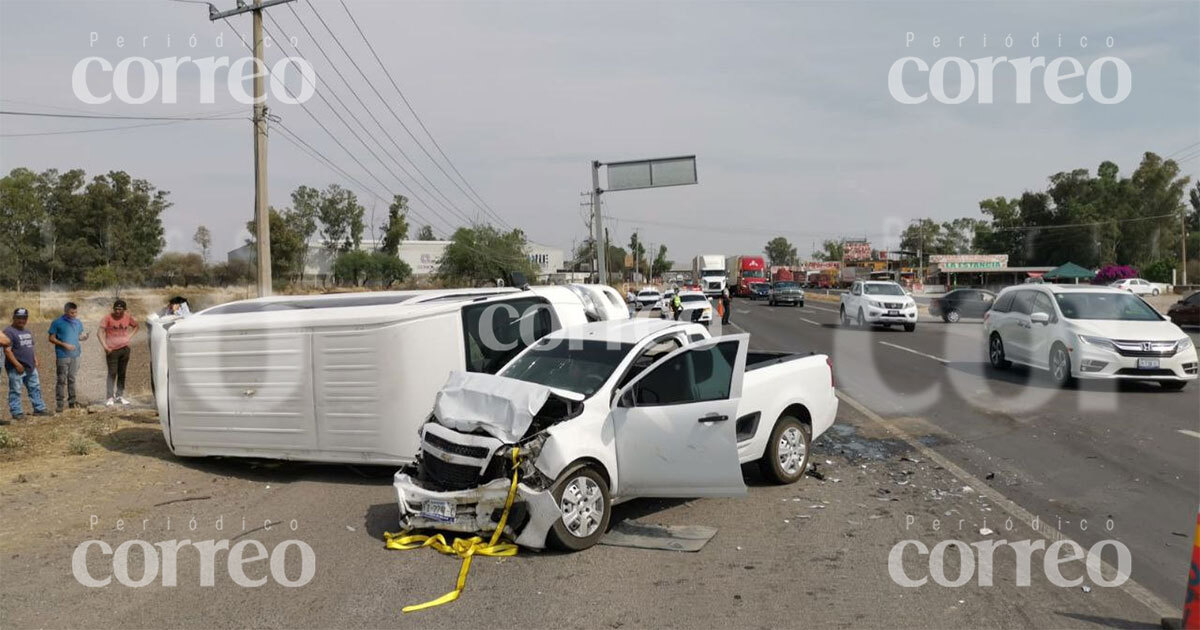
708	270
744	271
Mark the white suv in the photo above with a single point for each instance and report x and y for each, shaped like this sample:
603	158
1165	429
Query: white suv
870	303
1087	332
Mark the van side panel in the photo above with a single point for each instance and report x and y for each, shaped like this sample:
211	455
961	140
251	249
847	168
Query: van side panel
241	390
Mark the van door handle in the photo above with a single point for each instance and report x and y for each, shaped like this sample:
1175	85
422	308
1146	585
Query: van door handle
713	417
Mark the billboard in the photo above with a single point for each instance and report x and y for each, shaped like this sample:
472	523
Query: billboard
822	265
969	262
653	173
856	250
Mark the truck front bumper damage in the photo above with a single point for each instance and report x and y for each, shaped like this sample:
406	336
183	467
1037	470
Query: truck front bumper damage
478	509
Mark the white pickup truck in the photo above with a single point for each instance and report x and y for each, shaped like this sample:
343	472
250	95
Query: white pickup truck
878	303
606	412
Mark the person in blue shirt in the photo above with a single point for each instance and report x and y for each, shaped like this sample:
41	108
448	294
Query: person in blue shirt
66	333
21	364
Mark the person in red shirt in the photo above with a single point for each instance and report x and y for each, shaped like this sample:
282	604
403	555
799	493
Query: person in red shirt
116	331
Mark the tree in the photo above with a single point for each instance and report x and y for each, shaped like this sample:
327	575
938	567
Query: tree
780	252
637	250
396	228
426	233
341	219
203	239
287	244
23	228
232	272
830	250
352	267
387	269
482	253
131	230
174	268
661	265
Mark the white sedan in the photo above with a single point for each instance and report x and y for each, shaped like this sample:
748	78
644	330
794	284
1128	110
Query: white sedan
1137	286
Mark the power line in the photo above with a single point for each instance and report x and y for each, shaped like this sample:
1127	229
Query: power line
411	195
113	117
295	139
334	137
78	131
455	209
420	122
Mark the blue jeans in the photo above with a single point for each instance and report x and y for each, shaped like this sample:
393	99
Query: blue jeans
34	386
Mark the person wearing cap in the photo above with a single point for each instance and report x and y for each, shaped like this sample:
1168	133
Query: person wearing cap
66	333
116	331
20	362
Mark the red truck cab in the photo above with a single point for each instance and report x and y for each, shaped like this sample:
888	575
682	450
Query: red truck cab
745	271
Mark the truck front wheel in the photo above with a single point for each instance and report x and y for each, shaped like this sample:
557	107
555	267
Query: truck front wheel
582	496
788	451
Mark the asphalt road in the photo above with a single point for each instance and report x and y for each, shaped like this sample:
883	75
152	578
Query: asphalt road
1096	452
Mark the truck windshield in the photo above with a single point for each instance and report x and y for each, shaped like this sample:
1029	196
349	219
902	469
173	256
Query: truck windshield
753	273
882	289
580	366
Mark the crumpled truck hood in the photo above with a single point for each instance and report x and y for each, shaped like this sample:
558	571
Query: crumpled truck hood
502	407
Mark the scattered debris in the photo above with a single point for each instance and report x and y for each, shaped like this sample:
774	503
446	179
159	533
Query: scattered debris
967	489
816	506
632	533
990	475
1086	588
349	528
816	474
182	500
986	531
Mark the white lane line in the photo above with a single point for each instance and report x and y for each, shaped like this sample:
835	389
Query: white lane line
1135	590
892	345
805	319
1191	433
822	308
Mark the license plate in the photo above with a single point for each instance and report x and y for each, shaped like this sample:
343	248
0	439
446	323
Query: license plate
1147	364
893	313
438	510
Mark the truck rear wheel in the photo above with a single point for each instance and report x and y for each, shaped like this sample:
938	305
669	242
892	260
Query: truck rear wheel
789	450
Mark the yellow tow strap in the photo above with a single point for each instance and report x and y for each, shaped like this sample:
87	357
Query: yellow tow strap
465	548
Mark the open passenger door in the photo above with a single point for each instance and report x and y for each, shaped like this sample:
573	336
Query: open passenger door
674	423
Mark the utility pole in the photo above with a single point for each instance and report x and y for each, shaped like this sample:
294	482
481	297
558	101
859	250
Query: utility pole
262	221
1183	247
598	226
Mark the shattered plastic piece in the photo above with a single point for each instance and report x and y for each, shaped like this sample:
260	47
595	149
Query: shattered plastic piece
1087	589
986	531
349	528
631	533
816	506
968	489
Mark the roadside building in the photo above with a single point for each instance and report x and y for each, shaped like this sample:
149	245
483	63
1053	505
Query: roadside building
422	256
981	271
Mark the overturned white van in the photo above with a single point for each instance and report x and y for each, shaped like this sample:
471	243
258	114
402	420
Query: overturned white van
337	378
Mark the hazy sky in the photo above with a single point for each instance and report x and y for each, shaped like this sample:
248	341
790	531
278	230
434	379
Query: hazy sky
786	105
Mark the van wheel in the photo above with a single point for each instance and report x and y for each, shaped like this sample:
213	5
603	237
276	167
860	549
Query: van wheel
862	320
582	495
1060	365
910	327
996	353
1154	292
845	320
789	450
951	316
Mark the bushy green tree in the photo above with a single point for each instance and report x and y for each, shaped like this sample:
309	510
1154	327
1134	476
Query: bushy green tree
482	254
396	228
780	252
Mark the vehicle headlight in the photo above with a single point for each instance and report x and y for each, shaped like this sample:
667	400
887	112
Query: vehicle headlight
1101	342
1183	344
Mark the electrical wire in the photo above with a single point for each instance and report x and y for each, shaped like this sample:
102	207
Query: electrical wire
451	208
412	111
